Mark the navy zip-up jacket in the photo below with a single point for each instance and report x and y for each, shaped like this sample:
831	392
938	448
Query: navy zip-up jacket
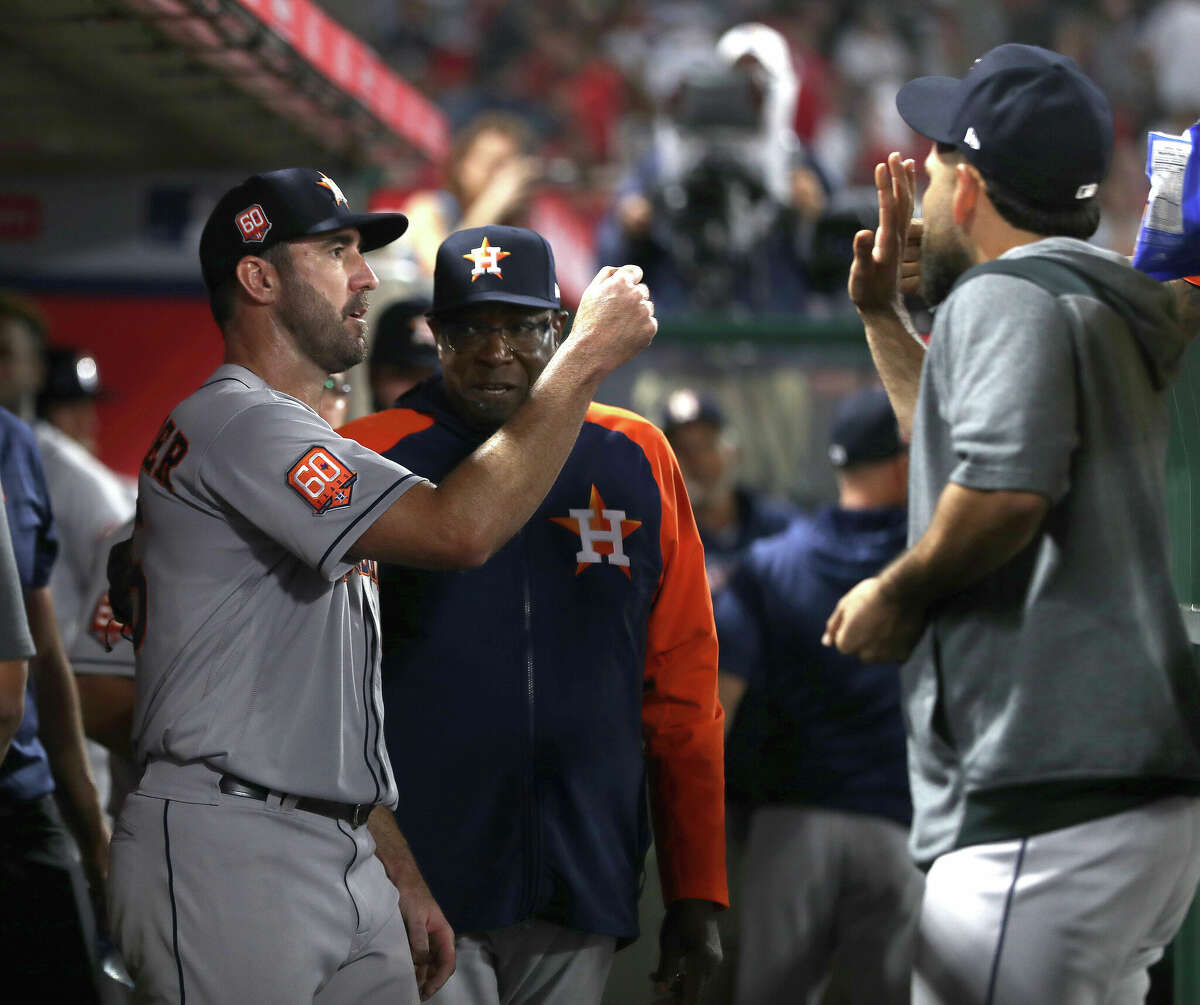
816	727
525	700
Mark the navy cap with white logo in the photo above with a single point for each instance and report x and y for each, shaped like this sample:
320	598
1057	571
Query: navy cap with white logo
483	265
1026	117
401	338
277	206
864	429
685	406
70	376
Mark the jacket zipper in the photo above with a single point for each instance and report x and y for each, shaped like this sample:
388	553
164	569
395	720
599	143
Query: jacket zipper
532	855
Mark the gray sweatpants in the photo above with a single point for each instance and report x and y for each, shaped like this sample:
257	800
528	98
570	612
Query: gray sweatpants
531	963
249	901
826	896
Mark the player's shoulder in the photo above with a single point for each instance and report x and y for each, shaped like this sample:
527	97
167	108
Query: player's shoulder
228	393
381	431
636	427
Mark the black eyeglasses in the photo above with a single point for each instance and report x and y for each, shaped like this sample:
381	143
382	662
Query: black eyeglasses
519	336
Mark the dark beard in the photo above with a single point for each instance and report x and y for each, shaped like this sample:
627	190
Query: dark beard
319	330
940	269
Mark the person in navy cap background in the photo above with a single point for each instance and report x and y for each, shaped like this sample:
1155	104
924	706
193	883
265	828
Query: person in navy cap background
1051	697
815	752
544	692
403	352
730	515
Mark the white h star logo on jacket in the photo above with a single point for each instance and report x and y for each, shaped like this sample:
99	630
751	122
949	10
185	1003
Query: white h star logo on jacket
598	543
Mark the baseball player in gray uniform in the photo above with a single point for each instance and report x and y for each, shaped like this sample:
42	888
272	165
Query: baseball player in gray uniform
242	869
1053	726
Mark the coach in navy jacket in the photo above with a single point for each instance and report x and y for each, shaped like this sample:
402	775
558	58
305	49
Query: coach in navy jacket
528	702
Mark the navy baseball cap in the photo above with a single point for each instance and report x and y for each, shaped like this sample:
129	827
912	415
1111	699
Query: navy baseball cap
1024	116
486	265
70	376
277	206
685	405
864	429
396	343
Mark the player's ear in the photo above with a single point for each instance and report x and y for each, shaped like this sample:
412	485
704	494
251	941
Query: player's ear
259	279
558	326
439	338
968	187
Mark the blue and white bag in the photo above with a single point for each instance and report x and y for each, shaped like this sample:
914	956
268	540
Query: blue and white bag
1168	241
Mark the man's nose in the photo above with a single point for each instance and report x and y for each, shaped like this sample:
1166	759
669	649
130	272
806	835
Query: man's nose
363	277
494	346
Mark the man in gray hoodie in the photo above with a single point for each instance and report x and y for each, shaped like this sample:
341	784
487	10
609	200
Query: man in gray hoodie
1051	700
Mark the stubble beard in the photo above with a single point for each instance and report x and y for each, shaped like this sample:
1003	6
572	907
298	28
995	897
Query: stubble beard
319	329
943	259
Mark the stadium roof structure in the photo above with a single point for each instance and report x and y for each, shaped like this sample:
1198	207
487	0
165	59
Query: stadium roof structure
143	85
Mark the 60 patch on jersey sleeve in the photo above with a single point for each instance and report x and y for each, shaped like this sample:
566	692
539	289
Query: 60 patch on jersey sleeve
321	480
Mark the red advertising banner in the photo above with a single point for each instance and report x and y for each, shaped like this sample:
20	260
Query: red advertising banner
354	67
337	54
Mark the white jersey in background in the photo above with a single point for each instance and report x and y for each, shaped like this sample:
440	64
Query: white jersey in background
89	501
257	643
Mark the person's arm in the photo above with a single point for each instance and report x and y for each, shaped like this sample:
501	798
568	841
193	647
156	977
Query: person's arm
430	937
61	733
16	643
683	726
737	611
508	189
886	266
106	702
426	228
972	533
730	690
12	702
490	495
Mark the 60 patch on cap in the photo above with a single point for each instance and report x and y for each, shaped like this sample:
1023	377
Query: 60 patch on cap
276	206
253	224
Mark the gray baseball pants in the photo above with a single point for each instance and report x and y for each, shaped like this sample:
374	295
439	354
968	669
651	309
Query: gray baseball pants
247	901
531	963
1071	917
828	898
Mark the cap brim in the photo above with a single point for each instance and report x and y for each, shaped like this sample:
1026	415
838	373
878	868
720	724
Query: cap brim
928	105
495	297
374	229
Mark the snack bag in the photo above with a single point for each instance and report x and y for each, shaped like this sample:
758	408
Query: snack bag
1168	241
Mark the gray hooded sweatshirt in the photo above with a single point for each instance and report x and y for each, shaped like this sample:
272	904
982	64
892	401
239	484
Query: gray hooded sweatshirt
1067	671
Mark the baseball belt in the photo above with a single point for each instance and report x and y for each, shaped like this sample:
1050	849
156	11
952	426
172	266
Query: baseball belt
355	814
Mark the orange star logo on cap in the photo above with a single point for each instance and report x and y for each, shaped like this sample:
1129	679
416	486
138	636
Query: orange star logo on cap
487	260
338	198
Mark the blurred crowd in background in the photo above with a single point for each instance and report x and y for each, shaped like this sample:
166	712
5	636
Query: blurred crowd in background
625	128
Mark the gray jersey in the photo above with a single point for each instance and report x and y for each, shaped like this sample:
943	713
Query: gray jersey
257	642
1068	663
